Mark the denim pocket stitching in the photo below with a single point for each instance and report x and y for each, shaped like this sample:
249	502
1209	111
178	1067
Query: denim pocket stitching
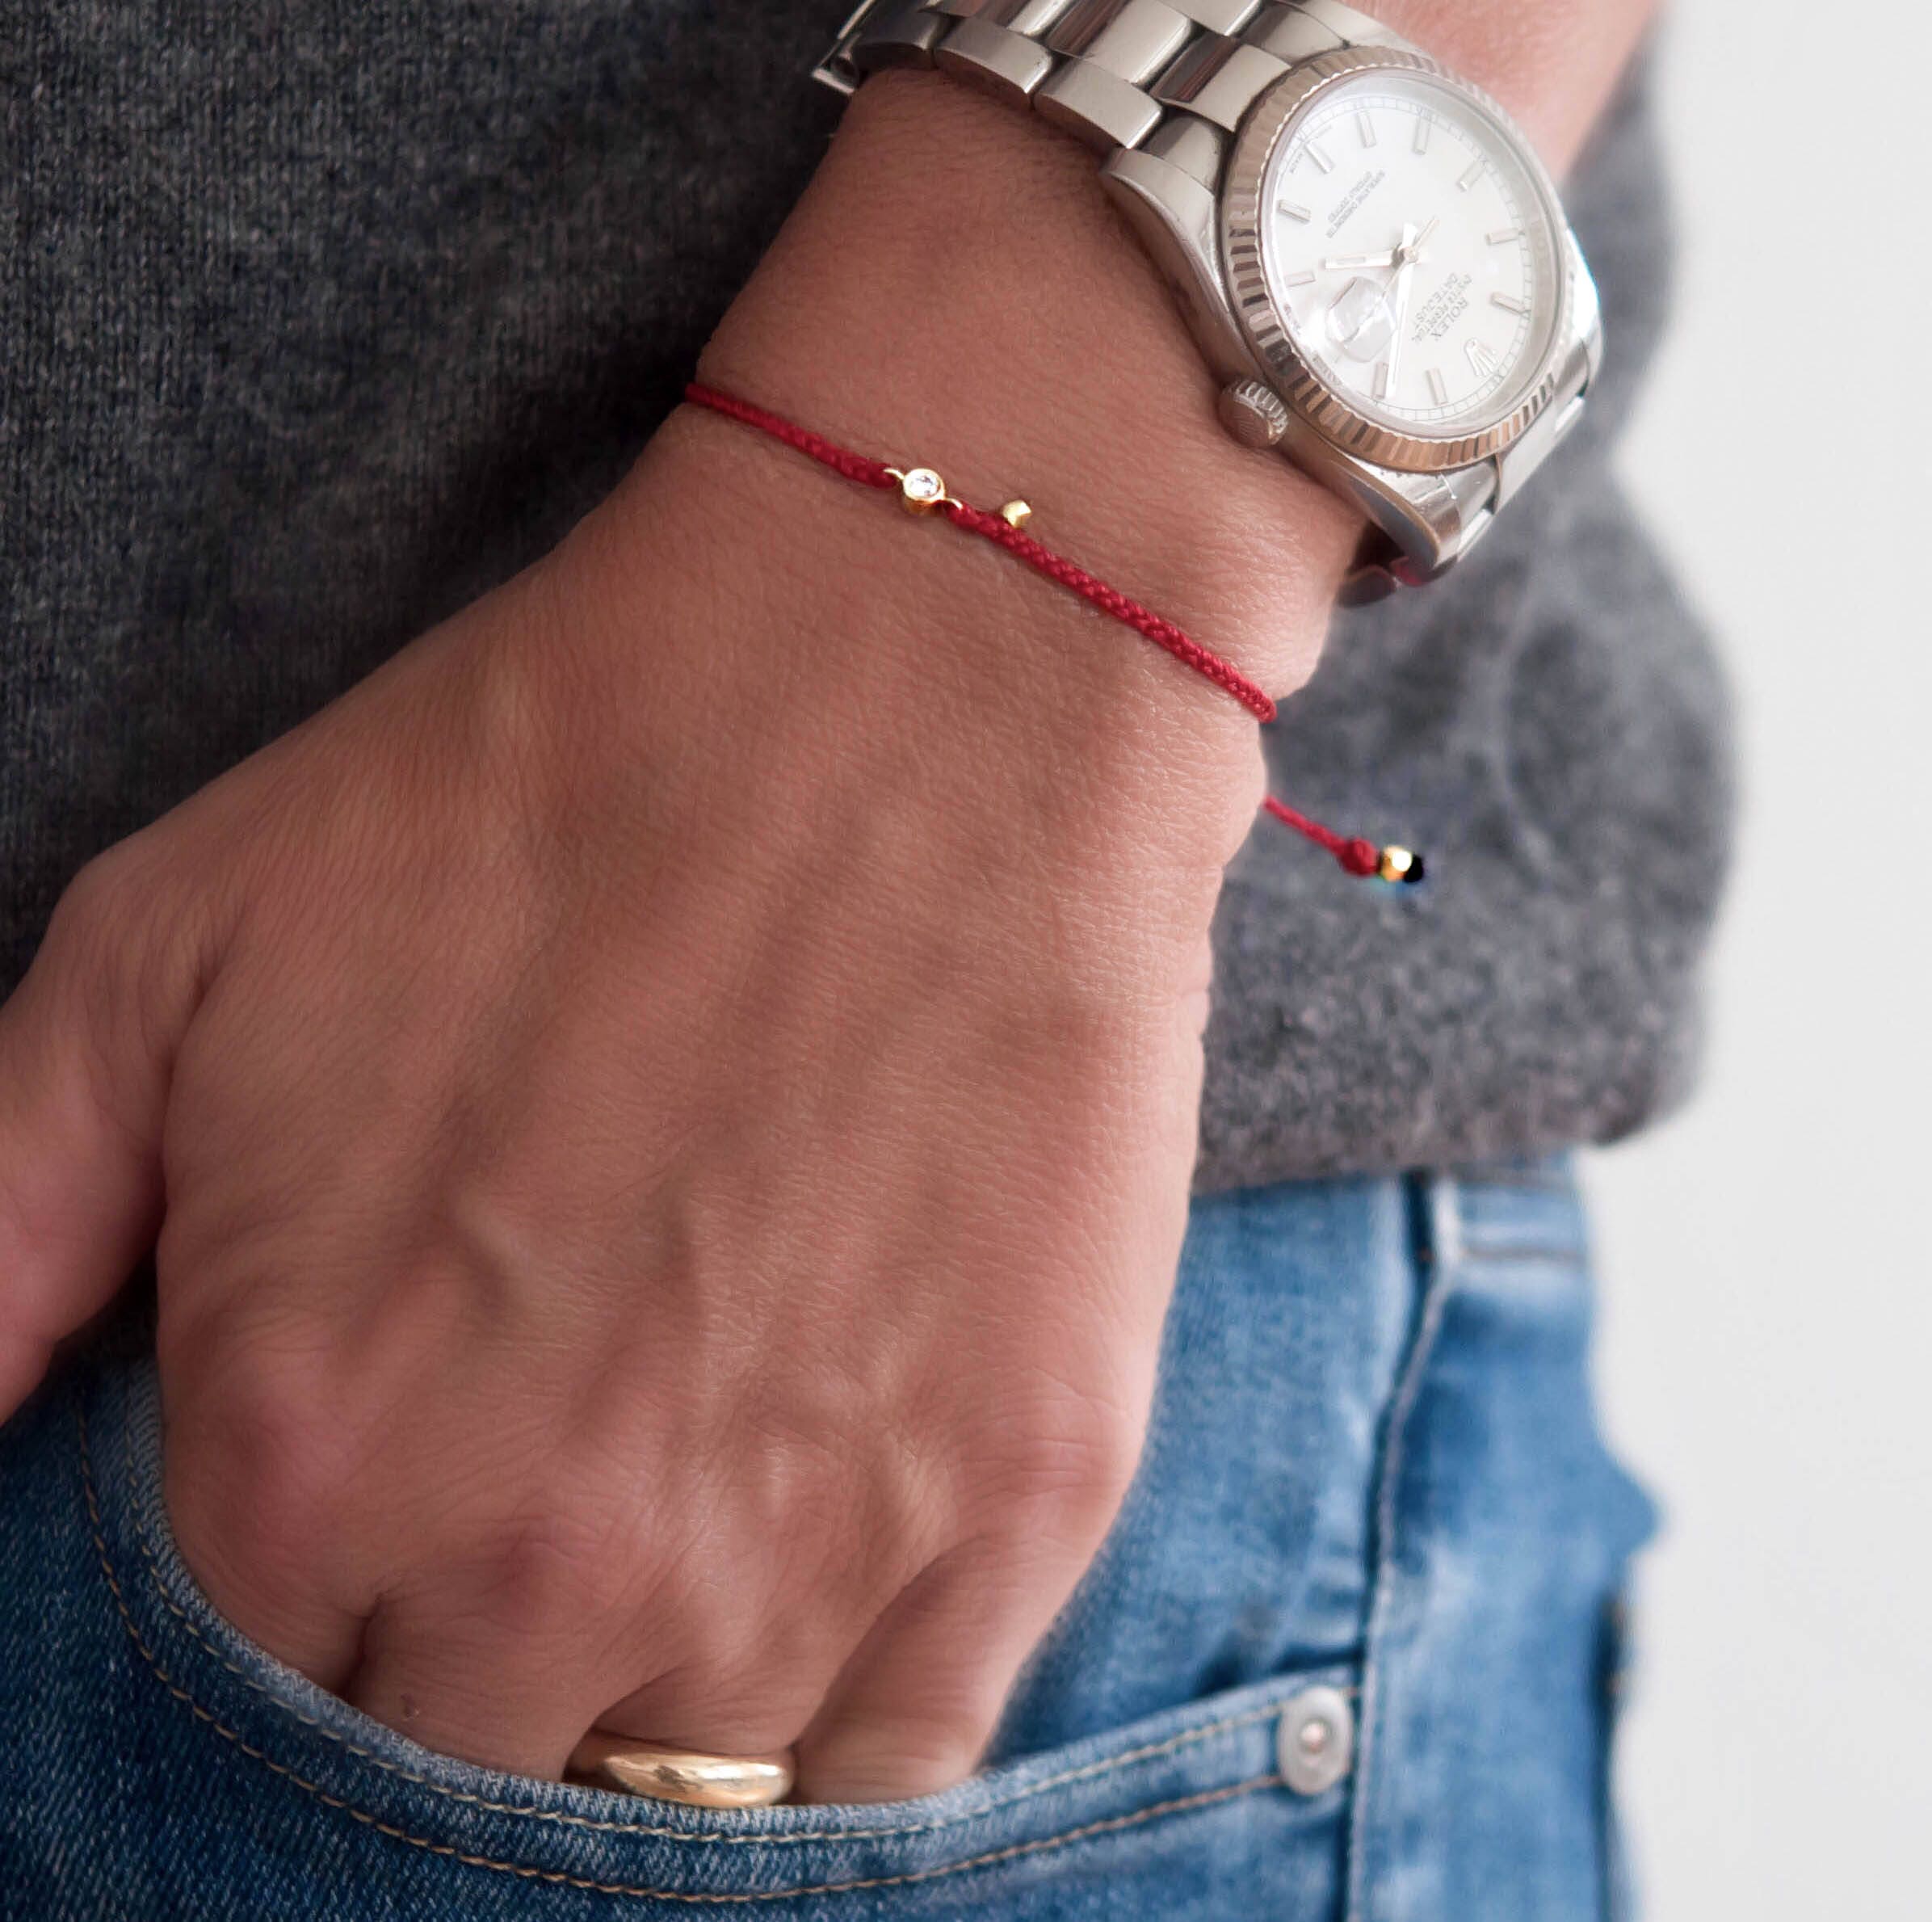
529	1872
563	1817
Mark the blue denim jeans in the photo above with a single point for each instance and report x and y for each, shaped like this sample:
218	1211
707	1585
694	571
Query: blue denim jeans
1349	1653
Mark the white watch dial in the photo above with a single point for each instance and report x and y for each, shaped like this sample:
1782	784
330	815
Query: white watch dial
1412	254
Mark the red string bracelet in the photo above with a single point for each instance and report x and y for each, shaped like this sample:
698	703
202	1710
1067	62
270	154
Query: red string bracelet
921	491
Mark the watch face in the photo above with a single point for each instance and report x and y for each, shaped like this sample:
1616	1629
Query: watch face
1411	253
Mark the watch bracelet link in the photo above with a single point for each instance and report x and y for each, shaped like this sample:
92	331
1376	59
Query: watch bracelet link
1172	78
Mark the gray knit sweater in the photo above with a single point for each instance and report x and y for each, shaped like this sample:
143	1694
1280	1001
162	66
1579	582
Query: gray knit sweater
316	321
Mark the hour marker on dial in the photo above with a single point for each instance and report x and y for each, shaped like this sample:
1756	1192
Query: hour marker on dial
1382	290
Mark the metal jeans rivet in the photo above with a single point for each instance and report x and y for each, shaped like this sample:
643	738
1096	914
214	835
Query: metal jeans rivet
1315	1743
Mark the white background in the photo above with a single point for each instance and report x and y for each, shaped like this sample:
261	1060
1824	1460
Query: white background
1767	1359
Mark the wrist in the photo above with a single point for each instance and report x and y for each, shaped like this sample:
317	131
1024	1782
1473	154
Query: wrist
956	290
739	604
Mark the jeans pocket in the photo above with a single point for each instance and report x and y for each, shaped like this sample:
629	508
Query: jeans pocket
1210	1809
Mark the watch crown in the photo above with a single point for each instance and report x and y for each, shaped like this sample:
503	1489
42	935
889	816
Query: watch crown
1253	413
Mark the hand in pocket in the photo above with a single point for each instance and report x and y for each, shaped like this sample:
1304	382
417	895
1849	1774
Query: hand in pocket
640	1246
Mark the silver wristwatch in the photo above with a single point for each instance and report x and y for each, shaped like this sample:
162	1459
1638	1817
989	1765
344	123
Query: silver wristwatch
1371	256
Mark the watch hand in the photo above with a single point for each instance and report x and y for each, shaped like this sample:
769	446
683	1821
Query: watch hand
1397	298
1403	254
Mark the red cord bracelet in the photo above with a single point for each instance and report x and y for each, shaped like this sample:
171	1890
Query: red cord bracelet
921	491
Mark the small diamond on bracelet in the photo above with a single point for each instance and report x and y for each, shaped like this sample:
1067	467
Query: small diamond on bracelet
921	490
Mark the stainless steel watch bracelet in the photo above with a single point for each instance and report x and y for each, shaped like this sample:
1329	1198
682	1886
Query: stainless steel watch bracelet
1159	85
1171	77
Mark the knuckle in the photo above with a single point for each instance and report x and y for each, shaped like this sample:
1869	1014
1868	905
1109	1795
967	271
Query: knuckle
111	897
1074	1461
256	1476
129	937
553	1571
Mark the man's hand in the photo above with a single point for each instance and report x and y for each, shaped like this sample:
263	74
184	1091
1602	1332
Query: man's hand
675	1112
668	1112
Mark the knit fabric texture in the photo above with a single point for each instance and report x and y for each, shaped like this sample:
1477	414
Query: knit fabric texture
315	323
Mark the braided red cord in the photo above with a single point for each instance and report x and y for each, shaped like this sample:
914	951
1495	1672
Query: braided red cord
1355	854
855	467
1036	554
1184	648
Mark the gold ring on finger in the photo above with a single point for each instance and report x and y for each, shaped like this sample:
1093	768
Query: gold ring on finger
688	1775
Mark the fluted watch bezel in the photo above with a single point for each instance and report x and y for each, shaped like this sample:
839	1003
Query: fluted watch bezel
1243	240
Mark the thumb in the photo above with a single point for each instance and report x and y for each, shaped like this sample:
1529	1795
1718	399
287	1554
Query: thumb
87	1045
